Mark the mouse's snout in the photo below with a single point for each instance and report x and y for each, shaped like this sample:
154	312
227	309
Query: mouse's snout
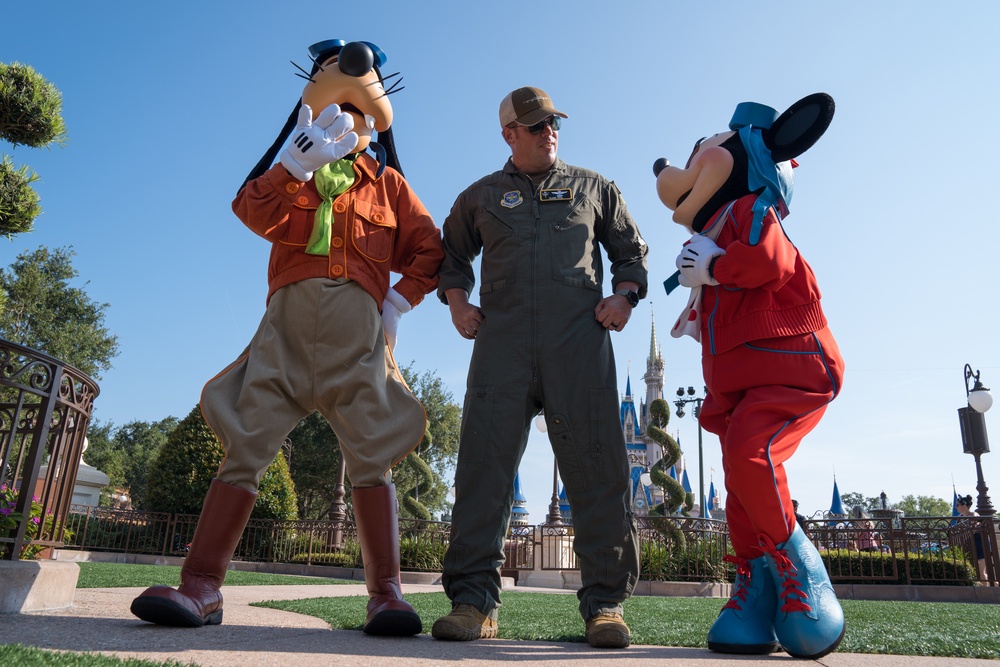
661	164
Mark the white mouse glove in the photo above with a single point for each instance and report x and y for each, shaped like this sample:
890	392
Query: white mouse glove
315	144
392	310
694	260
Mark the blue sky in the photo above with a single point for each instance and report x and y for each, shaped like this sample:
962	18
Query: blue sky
168	106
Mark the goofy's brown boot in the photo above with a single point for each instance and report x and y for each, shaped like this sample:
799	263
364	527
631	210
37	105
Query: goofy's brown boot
378	532
198	601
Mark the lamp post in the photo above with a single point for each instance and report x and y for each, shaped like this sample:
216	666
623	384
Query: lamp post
554	517
681	401
972	419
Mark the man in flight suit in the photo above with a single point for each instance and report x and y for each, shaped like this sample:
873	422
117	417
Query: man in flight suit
542	342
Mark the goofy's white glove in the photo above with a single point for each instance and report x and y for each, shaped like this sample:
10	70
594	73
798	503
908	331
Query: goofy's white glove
694	261
392	310
316	144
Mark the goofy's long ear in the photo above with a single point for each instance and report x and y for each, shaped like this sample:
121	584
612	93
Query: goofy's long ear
797	129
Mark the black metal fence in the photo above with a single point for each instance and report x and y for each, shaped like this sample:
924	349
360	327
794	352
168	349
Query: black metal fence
922	550
918	550
45	409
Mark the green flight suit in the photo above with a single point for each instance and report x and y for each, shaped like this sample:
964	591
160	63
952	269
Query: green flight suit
540	347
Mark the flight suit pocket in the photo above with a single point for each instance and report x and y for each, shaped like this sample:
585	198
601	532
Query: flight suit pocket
501	250
575	253
477	424
374	230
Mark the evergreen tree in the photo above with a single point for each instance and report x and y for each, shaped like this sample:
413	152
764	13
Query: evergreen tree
189	460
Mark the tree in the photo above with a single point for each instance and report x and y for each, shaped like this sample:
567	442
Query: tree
45	313
910	504
127	453
438	450
314	460
30	114
867	503
187	462
315	455
923	506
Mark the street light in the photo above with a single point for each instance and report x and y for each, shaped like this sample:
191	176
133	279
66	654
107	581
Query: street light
554	517
681	401
972	419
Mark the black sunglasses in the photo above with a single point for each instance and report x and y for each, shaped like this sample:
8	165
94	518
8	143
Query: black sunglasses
552	121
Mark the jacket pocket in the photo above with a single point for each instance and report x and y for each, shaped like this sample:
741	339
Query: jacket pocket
301	218
374	230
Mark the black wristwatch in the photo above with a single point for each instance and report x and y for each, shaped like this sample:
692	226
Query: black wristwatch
630	296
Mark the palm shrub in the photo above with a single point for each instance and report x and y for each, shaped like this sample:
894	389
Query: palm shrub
188	461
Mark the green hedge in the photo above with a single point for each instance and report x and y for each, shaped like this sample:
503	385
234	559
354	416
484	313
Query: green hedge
700	561
946	568
415	555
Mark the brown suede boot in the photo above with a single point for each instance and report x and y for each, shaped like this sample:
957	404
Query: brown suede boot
198	601
378	532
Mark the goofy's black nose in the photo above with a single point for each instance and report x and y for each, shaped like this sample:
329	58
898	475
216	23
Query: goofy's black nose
355	59
660	165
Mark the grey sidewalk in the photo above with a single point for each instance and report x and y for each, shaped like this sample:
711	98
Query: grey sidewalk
100	621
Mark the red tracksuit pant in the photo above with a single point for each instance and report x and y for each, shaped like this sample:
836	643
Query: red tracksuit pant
763	398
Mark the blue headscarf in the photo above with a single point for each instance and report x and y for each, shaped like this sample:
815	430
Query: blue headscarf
750	120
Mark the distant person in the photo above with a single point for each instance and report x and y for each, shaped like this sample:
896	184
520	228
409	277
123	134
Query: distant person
799	518
542	341
865	538
964	507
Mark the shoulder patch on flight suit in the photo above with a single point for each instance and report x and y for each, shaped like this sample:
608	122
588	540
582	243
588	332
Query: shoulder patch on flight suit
556	194
511	199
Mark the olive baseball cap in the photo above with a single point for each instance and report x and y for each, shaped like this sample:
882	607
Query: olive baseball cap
527	106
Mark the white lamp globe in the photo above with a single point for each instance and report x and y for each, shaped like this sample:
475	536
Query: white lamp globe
980	400
540	423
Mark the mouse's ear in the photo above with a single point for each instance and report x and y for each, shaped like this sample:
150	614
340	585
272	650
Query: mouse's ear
797	129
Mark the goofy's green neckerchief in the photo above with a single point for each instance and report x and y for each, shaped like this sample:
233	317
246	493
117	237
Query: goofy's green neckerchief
331	180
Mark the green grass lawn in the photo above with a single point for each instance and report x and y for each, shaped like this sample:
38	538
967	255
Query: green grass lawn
27	656
900	628
119	575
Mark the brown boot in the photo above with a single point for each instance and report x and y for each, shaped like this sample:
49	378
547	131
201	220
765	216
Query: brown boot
198	601
378	532
608	630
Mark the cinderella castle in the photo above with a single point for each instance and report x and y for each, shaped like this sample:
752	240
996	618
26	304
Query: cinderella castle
643	451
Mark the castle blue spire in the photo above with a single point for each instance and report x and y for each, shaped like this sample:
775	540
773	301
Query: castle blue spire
519	512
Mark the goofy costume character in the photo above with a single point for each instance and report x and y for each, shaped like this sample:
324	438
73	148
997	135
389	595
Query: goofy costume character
338	221
771	365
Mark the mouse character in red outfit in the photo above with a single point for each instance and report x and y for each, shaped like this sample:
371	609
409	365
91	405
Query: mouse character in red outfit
339	222
771	364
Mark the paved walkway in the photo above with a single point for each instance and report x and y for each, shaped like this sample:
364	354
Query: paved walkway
100	621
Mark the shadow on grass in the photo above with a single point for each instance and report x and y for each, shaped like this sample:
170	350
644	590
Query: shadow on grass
896	628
